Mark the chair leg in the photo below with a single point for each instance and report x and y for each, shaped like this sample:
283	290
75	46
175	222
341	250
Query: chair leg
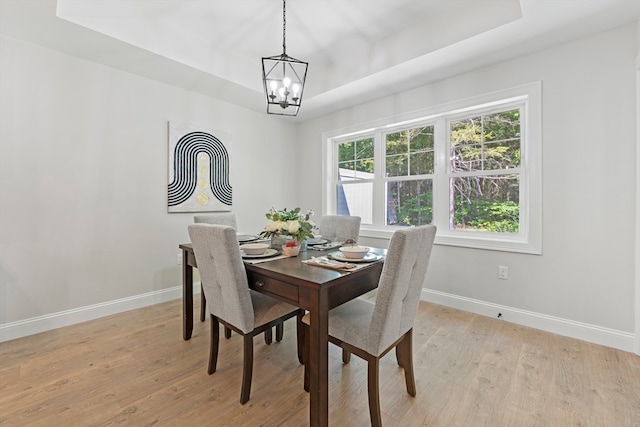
203	304
305	356
346	356
399	356
213	345
227	332
268	336
404	352
374	393
300	336
247	370
279	331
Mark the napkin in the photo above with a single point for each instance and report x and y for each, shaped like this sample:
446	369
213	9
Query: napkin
323	261
259	260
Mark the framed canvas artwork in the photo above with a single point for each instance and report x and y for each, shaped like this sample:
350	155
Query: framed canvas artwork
199	161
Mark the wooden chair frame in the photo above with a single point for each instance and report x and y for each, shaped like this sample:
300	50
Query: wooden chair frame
404	356
247	367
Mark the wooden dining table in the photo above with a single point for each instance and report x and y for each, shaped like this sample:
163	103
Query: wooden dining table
313	288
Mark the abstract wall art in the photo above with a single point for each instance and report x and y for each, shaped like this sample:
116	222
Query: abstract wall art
199	161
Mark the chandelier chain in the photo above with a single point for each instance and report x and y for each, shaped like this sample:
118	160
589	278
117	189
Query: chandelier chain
284	27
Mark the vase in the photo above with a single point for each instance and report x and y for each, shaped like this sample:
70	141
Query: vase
278	240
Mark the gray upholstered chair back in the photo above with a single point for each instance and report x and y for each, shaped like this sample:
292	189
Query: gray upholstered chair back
339	228
400	285
222	274
220	218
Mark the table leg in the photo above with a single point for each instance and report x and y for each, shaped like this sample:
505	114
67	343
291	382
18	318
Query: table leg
187	298
319	362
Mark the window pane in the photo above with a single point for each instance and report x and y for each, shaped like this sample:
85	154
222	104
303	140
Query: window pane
364	149
486	142
421	138
355	159
346	169
502	155
397	165
466	132
364	169
504	125
486	203
421	163
410	202
396	143
466	158
410	152
346	151
356	199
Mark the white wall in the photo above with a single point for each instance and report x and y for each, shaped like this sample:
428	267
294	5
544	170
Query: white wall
583	283
83	179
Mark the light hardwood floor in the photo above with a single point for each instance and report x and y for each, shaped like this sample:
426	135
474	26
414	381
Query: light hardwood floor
134	369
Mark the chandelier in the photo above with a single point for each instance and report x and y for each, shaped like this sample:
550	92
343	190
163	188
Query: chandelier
283	78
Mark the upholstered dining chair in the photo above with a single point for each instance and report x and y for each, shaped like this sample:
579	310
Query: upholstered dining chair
229	218
370	330
219	218
339	228
231	302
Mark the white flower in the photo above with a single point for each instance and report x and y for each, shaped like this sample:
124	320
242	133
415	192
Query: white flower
272	225
293	226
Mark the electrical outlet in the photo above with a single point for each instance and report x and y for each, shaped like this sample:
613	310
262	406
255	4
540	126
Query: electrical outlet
179	258
503	272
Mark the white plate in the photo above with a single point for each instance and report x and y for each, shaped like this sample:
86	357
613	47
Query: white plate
244	238
325	246
317	241
267	253
370	257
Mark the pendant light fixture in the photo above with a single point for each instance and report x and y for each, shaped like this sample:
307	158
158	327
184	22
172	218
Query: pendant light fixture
283	78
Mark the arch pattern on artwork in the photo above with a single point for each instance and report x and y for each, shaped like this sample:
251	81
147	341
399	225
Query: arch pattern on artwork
185	163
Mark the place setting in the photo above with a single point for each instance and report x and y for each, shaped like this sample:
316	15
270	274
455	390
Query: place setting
347	258
258	252
246	238
319	244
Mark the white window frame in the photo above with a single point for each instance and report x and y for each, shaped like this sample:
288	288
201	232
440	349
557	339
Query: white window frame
526	97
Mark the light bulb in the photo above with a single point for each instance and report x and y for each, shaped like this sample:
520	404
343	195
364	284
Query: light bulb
281	92
274	86
286	82
296	89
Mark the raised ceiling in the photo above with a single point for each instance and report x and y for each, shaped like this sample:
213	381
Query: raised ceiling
358	50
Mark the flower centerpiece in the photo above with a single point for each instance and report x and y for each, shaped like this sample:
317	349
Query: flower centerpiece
291	223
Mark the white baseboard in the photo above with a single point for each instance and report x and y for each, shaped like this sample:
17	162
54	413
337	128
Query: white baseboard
23	328
608	337
595	334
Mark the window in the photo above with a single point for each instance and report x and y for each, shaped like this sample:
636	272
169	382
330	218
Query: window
471	167
354	189
484	172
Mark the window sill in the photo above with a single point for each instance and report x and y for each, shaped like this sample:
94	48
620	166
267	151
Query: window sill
473	242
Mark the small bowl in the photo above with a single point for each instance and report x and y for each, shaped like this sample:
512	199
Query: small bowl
354	252
254	248
291	250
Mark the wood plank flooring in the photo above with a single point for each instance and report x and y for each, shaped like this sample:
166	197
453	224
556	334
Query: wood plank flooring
134	369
